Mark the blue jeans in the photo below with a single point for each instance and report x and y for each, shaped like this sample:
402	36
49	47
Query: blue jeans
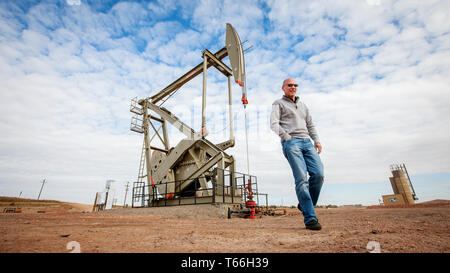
303	158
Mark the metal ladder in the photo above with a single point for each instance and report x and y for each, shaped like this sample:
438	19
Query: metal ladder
138	193
139	185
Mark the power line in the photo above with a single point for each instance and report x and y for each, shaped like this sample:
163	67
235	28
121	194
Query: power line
43	182
126	191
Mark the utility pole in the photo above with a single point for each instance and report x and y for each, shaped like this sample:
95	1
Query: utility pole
126	191
43	182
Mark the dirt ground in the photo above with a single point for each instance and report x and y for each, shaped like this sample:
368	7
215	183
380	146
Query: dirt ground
64	227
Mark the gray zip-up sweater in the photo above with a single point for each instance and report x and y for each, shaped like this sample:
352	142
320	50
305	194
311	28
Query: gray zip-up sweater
292	119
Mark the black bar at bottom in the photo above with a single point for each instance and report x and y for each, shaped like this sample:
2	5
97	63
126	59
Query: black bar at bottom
239	262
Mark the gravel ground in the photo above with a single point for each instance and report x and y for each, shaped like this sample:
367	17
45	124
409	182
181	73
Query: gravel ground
205	228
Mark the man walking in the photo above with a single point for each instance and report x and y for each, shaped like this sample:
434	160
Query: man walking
290	119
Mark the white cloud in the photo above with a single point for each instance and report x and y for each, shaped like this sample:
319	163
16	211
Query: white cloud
211	16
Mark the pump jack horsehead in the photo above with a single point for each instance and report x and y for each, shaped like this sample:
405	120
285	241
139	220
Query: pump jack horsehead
177	175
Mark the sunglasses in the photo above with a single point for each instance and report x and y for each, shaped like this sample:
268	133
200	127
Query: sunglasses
292	84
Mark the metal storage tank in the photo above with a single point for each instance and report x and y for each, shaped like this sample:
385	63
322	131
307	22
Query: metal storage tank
401	184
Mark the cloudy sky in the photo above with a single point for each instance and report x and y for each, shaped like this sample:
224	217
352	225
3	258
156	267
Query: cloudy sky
375	75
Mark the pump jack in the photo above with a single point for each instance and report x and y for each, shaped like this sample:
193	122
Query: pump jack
180	174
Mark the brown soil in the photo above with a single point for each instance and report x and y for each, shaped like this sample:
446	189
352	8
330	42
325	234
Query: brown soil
205	228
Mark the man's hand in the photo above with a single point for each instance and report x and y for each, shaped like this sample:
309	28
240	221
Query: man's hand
318	147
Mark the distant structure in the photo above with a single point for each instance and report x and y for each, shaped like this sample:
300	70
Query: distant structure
126	192
401	185
109	194
43	182
105	199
